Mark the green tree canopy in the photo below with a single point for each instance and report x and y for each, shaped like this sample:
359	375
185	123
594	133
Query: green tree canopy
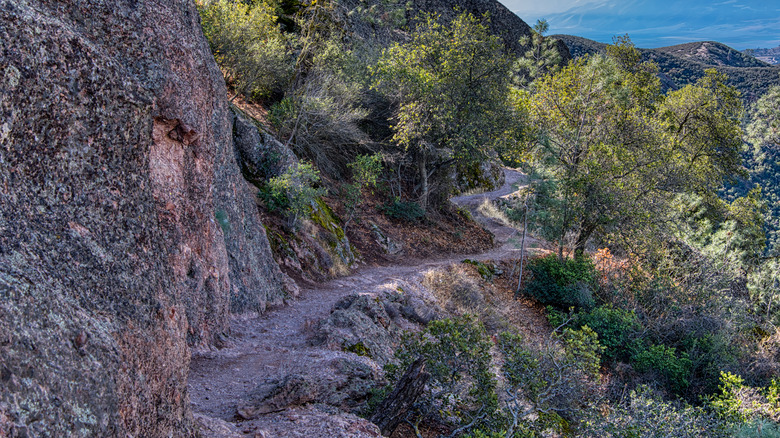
451	86
619	150
763	133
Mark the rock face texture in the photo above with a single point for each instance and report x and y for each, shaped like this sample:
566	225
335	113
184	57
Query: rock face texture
256	280
118	190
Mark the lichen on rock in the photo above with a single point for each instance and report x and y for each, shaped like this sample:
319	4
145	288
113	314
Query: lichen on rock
116	154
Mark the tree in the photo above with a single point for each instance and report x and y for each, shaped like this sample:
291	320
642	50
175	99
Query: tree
619	151
255	55
542	57
451	86
763	133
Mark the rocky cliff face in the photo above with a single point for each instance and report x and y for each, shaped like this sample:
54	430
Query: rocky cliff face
118	190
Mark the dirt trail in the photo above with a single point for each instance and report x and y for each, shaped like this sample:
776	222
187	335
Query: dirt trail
276	344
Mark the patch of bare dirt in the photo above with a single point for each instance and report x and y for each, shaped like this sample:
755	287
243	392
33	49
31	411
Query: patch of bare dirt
278	344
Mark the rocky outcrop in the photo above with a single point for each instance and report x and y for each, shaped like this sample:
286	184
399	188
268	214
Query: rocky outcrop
314	422
346	386
362	325
118	190
260	155
371	326
256	280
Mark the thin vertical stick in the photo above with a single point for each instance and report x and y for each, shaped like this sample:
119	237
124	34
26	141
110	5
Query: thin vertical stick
522	246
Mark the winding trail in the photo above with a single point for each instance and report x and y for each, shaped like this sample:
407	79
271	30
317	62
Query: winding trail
276	343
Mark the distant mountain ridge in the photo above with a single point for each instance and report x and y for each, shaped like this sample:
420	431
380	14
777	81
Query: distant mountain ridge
650	25
771	56
685	63
712	53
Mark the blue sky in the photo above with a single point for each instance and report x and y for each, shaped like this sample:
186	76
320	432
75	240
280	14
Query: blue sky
741	24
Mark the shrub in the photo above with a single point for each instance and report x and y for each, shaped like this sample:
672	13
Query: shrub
710	353
757	429
457	355
665	360
645	414
247	43
562	282
740	403
618	330
365	172
548	381
292	192
405	211
321	111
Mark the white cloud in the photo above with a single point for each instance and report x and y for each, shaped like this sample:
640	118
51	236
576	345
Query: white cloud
536	8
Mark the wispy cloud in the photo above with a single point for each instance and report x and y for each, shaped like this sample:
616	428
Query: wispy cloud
653	23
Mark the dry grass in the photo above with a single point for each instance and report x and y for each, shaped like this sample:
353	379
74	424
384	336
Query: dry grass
491	211
460	289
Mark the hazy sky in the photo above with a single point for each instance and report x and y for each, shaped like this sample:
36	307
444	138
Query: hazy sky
741	24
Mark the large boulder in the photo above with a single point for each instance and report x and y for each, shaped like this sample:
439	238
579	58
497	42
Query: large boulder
347	384
116	159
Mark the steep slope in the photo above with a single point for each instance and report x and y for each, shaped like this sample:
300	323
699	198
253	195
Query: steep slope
116	159
503	22
683	64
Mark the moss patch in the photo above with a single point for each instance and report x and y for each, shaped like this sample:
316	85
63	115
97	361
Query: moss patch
323	216
360	349
486	270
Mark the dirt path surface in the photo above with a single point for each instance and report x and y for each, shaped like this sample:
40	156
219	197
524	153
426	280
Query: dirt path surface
276	344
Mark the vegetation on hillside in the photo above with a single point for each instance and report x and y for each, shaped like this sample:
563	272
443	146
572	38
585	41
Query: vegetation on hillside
712	53
661	293
451	87
686	63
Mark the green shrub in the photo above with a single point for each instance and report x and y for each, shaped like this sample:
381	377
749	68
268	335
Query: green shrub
457	355
486	270
665	360
740	403
757	429
292	192
710	353
562	282
359	348
618	330
365	173
544	382
405	211
645	414
247	43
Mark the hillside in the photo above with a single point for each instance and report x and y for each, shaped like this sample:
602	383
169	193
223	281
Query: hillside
685	63
712	53
770	56
228	218
129	235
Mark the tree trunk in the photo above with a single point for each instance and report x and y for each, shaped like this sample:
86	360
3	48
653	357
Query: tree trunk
423	168
394	408
522	247
582	239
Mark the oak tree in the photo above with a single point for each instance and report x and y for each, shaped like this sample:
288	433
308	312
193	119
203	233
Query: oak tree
451	86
